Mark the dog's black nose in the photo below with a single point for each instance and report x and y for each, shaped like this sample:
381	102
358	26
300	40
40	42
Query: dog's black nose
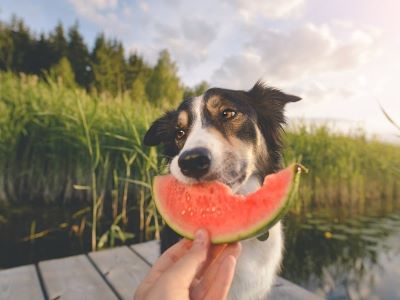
195	162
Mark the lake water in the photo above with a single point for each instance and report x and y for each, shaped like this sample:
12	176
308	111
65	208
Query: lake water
353	257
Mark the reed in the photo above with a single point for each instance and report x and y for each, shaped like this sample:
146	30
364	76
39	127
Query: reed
347	171
66	146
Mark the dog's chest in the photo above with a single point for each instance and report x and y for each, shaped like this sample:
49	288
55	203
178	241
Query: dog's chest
257	266
259	261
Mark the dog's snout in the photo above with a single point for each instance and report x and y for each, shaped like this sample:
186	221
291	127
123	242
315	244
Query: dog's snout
195	162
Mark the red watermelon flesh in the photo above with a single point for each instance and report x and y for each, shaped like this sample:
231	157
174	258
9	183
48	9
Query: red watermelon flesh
227	217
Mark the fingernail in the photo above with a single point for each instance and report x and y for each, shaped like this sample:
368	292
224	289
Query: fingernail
200	236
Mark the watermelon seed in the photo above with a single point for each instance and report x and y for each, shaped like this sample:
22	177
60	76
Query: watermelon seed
183	212
191	214
213	209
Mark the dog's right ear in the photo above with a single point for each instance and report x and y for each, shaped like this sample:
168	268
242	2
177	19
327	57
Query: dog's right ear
162	130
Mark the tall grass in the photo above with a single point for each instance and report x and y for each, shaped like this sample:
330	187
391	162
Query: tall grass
65	146
347	171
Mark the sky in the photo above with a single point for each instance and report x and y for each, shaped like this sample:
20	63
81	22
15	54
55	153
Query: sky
342	57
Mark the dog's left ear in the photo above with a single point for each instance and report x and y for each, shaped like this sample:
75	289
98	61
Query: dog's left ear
261	93
269	105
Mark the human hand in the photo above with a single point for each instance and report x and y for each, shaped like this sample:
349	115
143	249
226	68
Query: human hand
191	270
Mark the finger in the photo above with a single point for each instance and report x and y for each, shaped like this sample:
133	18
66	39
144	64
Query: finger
208	279
163	263
185	269
223	280
213	253
216	250
172	255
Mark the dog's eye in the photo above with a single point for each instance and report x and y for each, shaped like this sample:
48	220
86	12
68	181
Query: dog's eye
179	134
228	114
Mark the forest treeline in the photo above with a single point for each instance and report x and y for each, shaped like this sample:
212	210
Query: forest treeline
63	54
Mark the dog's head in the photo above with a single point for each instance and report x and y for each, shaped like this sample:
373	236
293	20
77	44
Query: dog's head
224	135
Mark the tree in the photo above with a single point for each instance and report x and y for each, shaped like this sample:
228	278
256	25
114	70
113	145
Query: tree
195	91
59	44
40	56
6	48
164	87
108	65
22	46
137	73
63	72
138	90
136	68
78	55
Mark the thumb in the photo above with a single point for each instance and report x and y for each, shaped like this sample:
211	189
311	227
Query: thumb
187	267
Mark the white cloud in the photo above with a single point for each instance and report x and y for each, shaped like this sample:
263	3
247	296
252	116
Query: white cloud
103	13
269	9
144	6
308	50
198	31
188	42
83	5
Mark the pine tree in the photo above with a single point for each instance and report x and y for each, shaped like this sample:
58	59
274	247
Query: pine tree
78	55
59	44
137	73
119	66
108	65
6	48
40	55
136	68
164	87
22	46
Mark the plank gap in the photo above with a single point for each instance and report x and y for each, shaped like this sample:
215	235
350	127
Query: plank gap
123	269
104	277
41	282
138	254
74	278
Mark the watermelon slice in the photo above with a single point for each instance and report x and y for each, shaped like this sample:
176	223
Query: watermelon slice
227	217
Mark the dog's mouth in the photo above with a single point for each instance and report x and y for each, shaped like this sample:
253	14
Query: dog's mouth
234	183
228	176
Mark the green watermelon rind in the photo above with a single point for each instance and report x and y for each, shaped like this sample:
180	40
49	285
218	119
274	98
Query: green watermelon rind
256	229
290	199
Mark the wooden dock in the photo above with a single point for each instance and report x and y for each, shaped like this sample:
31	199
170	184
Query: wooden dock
109	274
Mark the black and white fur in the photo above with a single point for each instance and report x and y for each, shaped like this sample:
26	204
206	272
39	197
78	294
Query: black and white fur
235	137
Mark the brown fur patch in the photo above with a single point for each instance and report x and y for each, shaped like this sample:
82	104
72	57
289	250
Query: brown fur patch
183	119
228	128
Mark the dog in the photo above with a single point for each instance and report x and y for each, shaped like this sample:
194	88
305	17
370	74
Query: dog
235	137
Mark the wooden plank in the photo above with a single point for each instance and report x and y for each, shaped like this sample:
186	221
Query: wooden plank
150	251
285	290
20	283
74	278
122	268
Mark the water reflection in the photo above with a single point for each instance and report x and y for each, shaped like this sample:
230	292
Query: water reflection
349	258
